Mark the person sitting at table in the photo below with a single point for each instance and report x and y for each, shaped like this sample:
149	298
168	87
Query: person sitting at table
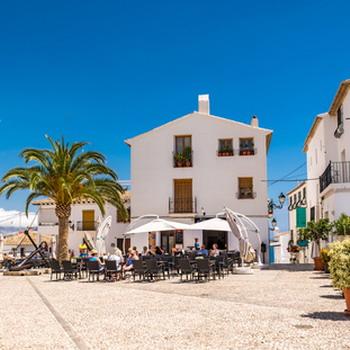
94	257
159	251
130	260
203	251
215	250
117	256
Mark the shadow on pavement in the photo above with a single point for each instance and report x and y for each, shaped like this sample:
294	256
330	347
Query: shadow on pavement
332	296
327	316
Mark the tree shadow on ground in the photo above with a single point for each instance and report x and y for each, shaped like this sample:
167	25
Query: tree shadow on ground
326	286
332	296
327	316
320	277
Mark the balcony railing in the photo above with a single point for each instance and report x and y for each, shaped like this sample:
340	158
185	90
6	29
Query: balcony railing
48	224
183	160
87	225
335	173
247	151
182	205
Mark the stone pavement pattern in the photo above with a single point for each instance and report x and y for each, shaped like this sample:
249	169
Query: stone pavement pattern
272	309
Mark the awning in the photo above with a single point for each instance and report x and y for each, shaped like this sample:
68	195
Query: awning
158	225
215	224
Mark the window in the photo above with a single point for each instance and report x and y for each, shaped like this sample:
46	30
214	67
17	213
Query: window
340	116
304	194
312	214
225	147
299	195
340	119
183	151
291	200
246	146
88	223
295	197
245	188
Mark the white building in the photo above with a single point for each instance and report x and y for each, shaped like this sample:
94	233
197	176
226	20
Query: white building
327	149
84	221
198	164
297	203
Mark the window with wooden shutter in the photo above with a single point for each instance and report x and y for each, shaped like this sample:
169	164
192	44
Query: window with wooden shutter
245	188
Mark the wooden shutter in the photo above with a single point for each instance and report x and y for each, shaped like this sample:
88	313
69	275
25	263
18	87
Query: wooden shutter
183	196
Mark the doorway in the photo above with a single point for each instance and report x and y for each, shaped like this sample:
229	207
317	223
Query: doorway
169	239
219	237
183	202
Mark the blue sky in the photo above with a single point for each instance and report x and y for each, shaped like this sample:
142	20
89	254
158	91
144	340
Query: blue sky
103	71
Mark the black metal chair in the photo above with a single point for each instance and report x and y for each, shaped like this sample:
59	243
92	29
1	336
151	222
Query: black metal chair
139	269
168	264
185	268
205	269
111	270
69	271
94	270
55	269
154	269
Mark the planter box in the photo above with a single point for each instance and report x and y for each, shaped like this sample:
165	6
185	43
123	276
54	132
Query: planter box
318	264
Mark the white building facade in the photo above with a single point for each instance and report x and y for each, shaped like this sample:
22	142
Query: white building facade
83	223
327	149
193	166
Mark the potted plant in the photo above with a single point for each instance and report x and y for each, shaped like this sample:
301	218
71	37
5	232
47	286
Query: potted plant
339	267
179	159
325	259
315	232
342	227
187	156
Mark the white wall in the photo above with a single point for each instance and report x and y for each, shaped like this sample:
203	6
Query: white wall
215	179
47	215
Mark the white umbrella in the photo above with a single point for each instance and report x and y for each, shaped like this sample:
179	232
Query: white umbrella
239	230
215	224
102	232
159	225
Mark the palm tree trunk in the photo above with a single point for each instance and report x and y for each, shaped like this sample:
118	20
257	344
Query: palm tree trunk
62	246
63	212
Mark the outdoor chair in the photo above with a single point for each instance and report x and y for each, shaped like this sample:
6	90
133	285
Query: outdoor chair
111	270
69	271
154	270
56	269
205	269
139	269
185	268
168	264
94	270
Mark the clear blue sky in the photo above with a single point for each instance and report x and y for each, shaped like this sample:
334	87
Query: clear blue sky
103	71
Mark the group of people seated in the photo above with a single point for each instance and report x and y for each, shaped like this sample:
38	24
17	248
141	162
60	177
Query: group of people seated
127	264
201	250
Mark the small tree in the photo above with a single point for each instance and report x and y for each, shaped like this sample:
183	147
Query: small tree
342	225
317	230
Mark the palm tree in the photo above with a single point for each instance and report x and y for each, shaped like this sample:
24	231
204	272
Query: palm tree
65	174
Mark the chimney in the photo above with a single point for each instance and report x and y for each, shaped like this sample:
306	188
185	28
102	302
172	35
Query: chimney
203	104
255	121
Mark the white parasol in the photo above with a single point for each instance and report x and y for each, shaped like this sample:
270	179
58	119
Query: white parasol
102	232
238	224
159	225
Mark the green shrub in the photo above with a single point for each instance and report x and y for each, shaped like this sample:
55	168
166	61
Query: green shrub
339	264
342	225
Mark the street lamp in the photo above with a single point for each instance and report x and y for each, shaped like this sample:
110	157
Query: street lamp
271	205
273	224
